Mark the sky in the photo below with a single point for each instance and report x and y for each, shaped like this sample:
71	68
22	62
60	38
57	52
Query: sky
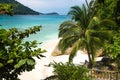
47	6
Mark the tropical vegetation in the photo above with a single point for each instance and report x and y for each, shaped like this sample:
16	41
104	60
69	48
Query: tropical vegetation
16	54
86	31
6	9
19	8
109	9
69	71
113	50
93	27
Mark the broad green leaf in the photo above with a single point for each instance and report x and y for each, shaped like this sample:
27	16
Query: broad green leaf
20	63
1	65
30	62
10	61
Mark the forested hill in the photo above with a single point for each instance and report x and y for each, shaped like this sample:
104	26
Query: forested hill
19	8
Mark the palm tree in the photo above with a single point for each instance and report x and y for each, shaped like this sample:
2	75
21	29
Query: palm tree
84	31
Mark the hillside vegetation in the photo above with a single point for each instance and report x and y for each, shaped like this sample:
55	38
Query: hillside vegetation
19	8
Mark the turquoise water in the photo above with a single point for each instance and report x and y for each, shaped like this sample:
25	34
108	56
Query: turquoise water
50	25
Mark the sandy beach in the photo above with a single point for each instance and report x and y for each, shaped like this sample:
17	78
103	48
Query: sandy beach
42	71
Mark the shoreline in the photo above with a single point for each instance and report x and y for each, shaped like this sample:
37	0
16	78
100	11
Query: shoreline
41	70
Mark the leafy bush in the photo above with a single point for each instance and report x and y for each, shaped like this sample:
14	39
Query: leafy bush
113	50
69	71
16	55
6	9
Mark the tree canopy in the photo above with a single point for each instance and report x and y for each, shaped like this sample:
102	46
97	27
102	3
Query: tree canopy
6	9
16	55
19	8
109	9
86	30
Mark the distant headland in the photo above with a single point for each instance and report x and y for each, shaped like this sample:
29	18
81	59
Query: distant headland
52	13
20	9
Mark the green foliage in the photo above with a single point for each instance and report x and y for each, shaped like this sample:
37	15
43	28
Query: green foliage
85	30
114	49
18	8
69	71
6	9
109	9
16	55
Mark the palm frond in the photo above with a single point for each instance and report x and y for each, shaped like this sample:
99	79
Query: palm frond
88	35
68	28
75	12
97	42
108	24
103	34
98	24
85	30
93	24
67	42
84	16
91	4
75	48
62	45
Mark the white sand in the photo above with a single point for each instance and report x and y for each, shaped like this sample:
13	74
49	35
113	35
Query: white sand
41	71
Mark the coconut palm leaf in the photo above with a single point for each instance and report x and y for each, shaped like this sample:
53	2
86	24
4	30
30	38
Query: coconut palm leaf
98	24
97	42
63	44
75	48
76	11
68	28
103	34
108	24
86	30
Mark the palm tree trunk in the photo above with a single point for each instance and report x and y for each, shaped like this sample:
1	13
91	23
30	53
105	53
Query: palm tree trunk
89	56
92	53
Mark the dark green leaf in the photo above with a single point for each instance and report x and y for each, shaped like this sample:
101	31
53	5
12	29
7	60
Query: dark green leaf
10	61
1	65
20	63
30	62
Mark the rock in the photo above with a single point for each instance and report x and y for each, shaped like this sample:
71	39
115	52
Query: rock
57	52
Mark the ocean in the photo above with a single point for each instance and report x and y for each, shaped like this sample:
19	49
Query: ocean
50	25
